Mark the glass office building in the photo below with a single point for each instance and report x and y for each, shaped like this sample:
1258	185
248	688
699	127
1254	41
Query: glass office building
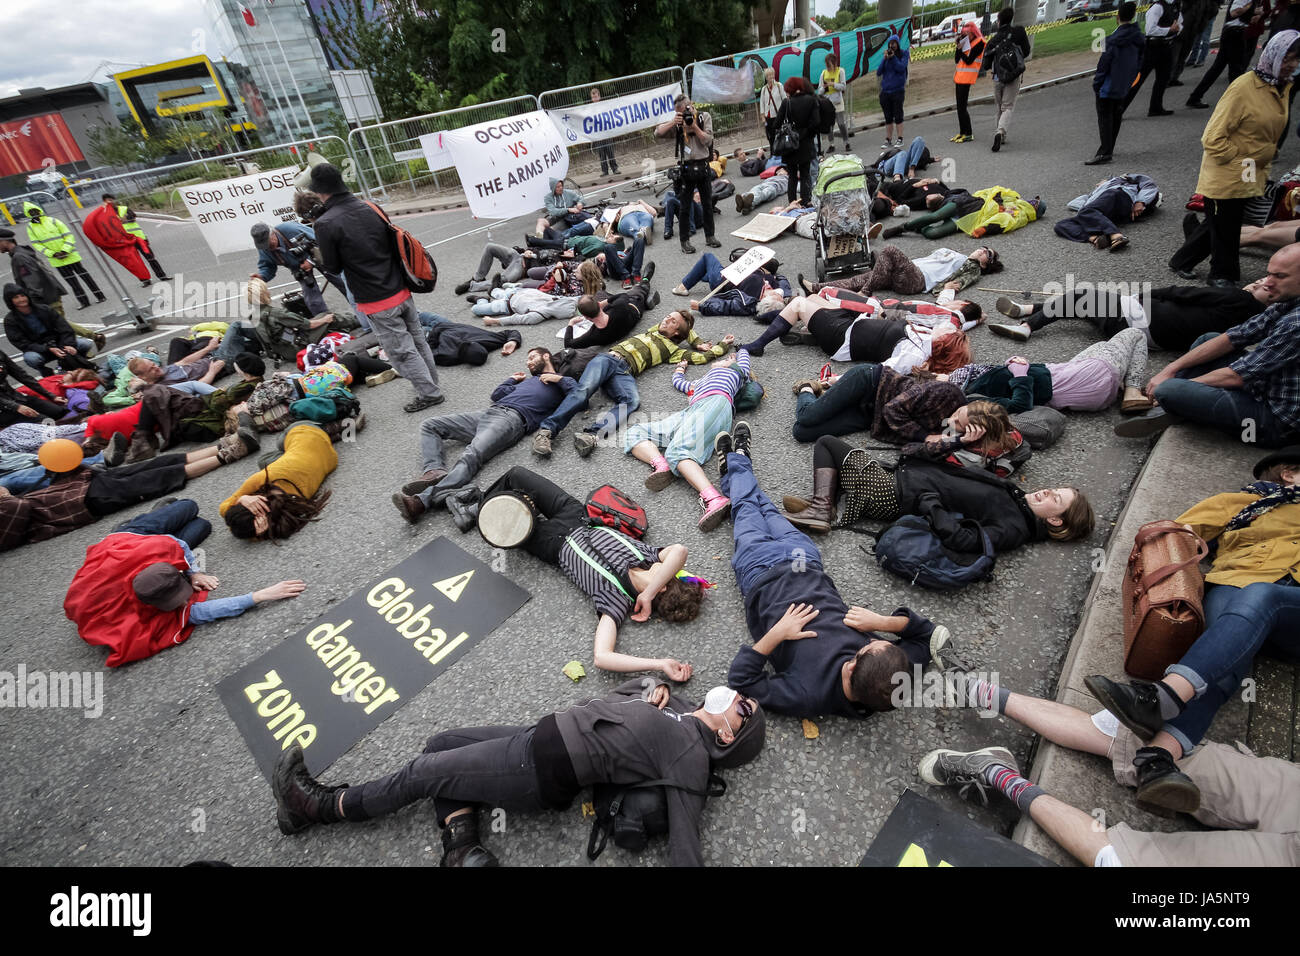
282	55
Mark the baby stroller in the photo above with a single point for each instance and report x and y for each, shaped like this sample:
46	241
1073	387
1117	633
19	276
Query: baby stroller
842	195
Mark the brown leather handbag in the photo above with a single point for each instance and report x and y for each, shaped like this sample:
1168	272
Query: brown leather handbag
1163	591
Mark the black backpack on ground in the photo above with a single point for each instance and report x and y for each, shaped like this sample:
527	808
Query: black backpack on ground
633	815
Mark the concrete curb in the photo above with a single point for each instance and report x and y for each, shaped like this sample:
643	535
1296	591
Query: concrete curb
1185	466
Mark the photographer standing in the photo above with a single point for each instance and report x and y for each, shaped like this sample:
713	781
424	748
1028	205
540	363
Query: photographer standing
292	245
694	132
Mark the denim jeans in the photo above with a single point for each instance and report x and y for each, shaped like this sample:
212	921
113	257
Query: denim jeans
847	407
619	267
179	519
1229	409
399	332
634	222
764	538
193	388
904	159
610	373
768	189
239	337
1239	621
707	267
37	360
488	765
487	434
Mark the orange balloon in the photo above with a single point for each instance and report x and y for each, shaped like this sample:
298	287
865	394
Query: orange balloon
60	454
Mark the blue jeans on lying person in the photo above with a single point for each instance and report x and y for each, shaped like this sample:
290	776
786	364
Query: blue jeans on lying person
904	159
180	519
764	538
634	222
605	372
706	267
1238	623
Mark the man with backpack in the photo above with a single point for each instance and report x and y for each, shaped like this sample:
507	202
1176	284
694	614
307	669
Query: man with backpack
354	238
1006	53
641	733
839	667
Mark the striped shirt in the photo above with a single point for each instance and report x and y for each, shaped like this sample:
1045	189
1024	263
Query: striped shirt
651	348
724	380
616	554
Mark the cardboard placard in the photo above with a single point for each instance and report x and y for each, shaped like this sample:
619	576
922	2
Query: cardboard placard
746	264
346	672
764	227
919	832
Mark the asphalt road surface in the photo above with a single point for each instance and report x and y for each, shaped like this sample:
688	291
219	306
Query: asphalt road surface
163	776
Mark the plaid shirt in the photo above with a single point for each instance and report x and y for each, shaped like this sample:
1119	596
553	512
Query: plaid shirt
47	513
1271	372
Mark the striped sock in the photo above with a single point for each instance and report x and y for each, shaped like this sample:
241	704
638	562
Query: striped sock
1013	786
986	696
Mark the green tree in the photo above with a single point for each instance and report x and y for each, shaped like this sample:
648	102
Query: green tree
120	145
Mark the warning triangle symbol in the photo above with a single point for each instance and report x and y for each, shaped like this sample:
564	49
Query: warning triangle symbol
454	585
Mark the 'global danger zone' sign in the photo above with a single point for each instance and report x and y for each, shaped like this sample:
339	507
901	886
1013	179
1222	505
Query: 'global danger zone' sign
345	673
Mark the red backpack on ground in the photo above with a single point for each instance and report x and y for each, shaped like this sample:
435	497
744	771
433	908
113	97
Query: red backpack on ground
418	269
610	507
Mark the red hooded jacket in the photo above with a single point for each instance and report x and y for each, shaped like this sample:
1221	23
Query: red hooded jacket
103	605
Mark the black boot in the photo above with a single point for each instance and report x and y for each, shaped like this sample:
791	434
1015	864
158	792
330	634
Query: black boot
1161	785
1136	706
299	798
464	505
820	513
460	843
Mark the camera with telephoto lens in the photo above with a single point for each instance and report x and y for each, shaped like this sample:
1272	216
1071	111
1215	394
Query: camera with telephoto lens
688	116
302	247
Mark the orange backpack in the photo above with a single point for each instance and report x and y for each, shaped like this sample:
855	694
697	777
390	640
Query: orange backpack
418	268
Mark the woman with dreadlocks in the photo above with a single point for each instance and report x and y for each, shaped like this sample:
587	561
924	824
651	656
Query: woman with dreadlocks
284	496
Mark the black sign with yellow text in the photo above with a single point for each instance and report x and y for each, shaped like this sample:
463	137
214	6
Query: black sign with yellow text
345	673
919	832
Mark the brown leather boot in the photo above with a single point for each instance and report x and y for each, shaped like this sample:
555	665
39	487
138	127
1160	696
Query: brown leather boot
818	513
144	445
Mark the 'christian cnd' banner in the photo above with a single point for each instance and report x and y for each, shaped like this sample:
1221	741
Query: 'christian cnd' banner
345	673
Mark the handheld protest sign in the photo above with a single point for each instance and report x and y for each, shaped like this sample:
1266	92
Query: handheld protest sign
752	260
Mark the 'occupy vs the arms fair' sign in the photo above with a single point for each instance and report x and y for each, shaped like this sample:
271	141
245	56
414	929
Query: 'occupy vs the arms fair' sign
226	210
505	166
345	673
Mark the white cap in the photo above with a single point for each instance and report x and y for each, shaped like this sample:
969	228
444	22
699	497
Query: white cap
719	699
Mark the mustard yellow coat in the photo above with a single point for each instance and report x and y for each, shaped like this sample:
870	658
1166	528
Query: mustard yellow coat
1241	137
1266	550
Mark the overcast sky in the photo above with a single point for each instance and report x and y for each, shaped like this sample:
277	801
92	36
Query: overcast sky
58	44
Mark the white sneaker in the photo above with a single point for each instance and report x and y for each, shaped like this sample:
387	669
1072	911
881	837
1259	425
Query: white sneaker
681	290
1019	332
899	141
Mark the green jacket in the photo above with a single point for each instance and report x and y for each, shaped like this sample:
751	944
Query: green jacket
51	236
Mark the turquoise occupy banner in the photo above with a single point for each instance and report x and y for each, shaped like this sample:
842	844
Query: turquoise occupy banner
859	52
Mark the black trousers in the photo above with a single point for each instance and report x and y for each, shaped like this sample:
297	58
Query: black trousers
1158	59
44	406
1218	237
116	488
963	114
71	274
799	168
1110	113
361	365
1104	311
695	176
459	768
1234	55
560	514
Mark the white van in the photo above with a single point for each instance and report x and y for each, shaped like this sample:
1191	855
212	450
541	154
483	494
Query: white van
948	27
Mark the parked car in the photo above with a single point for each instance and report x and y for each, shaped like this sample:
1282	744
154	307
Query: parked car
1074	11
1042	11
1095	8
